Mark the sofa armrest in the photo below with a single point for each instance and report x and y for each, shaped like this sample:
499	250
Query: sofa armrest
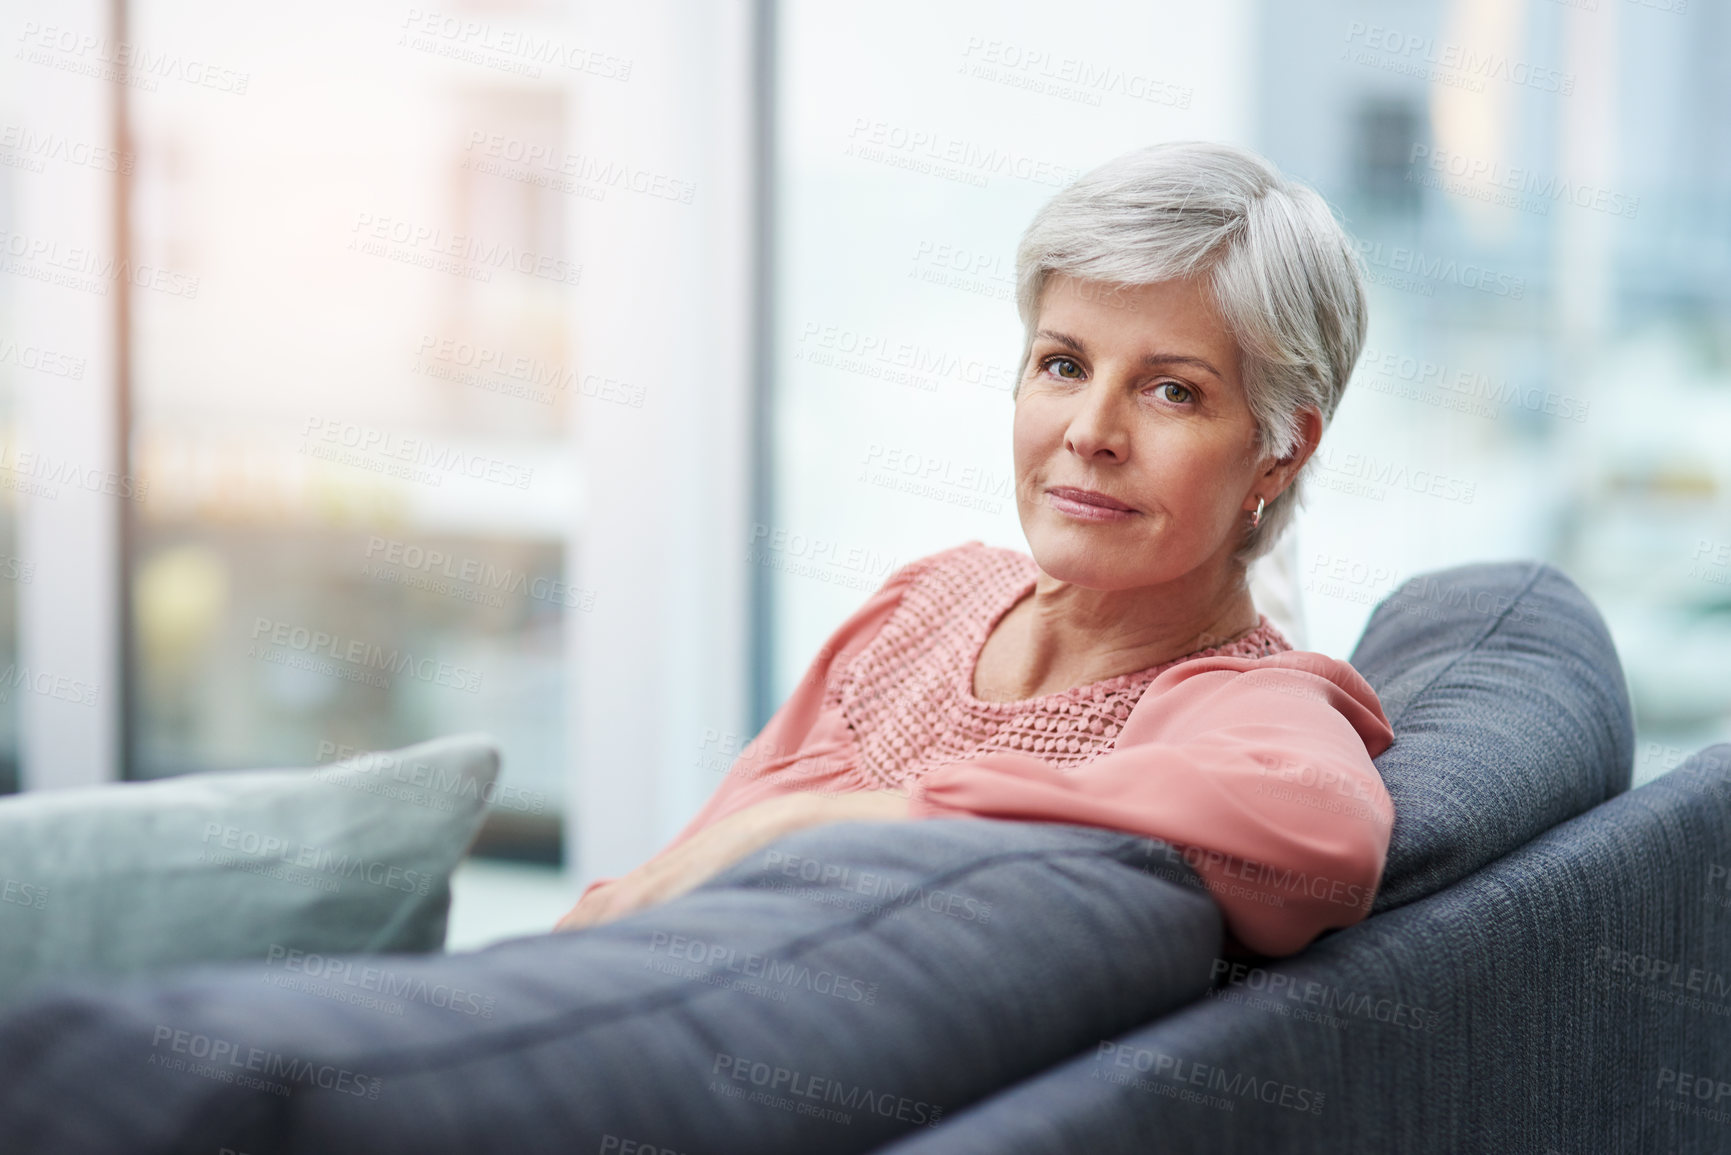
1572	996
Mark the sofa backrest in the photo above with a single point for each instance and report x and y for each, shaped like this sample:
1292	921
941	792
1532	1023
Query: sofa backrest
1510	715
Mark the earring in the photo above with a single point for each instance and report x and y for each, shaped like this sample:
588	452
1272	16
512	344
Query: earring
1256	518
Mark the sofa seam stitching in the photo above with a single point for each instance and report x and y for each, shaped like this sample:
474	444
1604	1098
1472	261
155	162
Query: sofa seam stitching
1484	636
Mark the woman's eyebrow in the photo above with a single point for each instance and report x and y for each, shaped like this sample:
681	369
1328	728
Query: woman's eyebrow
1063	339
1150	360
1156	360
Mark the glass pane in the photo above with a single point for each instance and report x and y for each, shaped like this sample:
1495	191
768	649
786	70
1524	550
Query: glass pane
32	157
353	401
22	366
1541	196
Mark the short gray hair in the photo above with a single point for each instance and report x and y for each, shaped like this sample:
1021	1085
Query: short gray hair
1284	276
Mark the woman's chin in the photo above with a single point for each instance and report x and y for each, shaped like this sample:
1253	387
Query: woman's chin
1090	555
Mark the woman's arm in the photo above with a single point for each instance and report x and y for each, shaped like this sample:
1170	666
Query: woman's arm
719	846
1257	771
783	739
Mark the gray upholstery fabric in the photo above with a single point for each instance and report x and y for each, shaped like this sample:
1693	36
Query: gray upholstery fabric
848	984
1574	996
143	876
1510	715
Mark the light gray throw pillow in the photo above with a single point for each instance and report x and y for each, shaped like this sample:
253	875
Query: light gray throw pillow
133	877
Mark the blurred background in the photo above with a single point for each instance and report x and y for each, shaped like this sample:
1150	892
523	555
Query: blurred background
371	372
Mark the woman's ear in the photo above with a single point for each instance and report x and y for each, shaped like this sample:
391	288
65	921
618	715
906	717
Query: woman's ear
1281	473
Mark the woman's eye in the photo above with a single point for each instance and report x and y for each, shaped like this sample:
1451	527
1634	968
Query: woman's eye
1176	393
1058	364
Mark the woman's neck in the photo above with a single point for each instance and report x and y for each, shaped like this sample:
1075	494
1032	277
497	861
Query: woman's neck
1065	635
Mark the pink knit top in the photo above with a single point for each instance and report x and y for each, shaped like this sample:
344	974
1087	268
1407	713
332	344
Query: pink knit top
1250	758
909	696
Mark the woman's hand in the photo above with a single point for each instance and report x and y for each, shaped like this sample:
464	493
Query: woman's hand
723	843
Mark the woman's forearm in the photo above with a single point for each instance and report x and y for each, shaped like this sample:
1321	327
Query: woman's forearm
859	806
725	842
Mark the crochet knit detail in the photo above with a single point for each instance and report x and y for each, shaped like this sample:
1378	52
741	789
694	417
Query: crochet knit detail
908	695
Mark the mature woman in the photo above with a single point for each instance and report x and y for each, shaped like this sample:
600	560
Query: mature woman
1191	321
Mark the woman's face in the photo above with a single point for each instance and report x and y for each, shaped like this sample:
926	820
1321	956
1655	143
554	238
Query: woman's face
1135	393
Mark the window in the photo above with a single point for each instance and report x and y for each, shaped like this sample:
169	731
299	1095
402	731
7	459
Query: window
415	362
355	424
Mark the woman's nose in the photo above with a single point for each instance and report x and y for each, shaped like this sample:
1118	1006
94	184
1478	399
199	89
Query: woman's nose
1098	421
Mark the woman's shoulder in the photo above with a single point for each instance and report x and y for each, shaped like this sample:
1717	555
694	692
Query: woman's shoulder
1271	663
1263	685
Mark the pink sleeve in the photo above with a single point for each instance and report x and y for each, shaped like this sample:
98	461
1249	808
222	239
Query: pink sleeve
1256	770
782	740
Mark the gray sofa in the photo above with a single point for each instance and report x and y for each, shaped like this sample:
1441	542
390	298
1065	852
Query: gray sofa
1545	968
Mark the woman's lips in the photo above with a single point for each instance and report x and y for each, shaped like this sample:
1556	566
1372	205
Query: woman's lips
1060	500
